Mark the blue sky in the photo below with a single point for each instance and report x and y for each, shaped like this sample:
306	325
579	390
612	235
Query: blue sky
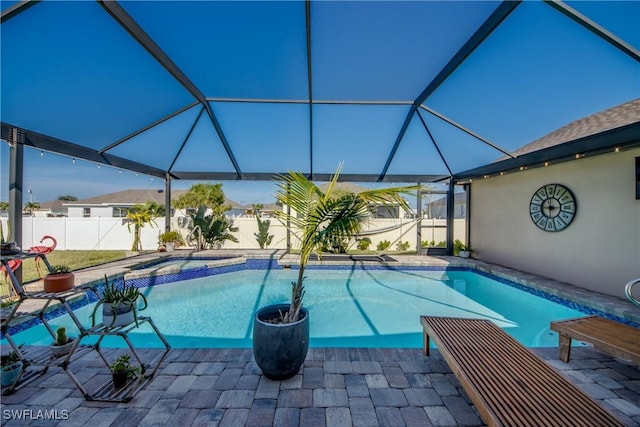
534	74
50	176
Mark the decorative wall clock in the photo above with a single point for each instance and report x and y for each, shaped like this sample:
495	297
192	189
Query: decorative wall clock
552	207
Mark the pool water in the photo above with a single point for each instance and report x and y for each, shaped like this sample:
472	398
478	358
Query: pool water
348	308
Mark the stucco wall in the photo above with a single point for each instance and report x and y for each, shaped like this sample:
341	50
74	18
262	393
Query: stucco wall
599	251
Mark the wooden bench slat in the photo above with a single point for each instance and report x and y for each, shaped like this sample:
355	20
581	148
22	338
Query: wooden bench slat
470	358
545	401
509	353
522	394
516	354
508	384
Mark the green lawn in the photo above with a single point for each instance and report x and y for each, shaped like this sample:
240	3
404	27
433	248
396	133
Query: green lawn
73	259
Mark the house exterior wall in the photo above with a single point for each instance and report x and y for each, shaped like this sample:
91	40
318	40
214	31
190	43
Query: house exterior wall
75	212
600	250
96	211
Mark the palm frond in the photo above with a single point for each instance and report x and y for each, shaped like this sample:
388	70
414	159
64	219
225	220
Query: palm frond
320	218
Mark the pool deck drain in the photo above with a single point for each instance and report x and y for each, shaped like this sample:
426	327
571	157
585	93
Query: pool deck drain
335	387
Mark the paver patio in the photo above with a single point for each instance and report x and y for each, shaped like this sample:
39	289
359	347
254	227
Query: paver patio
335	387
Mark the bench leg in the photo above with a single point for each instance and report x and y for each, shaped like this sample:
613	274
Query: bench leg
425	343
564	347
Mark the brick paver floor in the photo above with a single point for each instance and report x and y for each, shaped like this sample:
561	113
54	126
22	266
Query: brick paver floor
335	387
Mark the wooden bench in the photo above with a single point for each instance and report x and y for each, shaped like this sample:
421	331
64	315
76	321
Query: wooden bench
508	384
610	337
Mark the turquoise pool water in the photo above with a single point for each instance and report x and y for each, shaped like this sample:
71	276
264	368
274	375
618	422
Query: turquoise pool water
348	308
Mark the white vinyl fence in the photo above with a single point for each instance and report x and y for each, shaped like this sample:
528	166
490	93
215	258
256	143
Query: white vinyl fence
113	233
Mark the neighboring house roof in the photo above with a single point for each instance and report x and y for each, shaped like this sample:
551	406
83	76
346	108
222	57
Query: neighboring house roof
133	197
349	187
265	207
612	118
54	206
271	207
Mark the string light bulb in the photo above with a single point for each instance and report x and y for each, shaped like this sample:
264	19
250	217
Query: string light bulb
41	153
73	160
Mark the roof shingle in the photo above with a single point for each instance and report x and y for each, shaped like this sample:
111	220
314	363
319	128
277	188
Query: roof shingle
612	118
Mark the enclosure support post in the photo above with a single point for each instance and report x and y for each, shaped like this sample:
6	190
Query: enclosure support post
167	203
450	214
16	172
419	213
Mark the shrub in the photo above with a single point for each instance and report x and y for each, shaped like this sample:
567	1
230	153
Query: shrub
364	243
381	246
402	246
59	269
171	237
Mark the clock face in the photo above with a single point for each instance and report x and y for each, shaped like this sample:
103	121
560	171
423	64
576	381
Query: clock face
552	207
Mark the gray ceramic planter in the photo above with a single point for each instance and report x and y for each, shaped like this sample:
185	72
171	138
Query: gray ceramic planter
280	349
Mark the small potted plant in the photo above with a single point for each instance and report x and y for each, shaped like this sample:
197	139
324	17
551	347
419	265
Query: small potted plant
10	368
122	371
119	305
170	240
59	279
461	250
465	251
63	344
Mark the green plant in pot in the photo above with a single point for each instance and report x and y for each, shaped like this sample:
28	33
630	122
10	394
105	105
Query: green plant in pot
461	250
119	305
63	344
170	240
10	368
317	218
122	370
59	279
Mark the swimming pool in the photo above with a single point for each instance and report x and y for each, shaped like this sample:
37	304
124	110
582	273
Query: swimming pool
349	307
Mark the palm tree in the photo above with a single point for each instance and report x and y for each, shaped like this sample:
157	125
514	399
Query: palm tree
29	207
140	215
323	217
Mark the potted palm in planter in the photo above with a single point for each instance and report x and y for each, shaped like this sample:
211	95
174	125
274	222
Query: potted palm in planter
59	279
63	344
119	305
281	331
10	368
